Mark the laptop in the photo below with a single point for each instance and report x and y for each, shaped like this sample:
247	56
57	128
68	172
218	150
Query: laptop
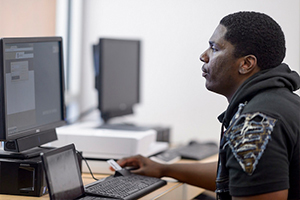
64	179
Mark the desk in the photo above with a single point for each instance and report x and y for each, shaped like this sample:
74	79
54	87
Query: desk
173	189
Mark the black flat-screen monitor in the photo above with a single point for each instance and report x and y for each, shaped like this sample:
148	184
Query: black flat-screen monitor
117	68
32	91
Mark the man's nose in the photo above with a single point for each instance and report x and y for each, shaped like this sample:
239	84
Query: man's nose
204	57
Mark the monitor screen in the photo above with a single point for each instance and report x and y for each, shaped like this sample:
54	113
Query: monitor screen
117	76
32	87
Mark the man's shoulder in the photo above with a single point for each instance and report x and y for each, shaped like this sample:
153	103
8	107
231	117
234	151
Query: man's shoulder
276	102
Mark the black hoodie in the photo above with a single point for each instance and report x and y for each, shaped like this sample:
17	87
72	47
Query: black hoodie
272	111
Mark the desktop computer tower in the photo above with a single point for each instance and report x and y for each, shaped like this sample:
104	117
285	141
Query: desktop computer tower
24	177
163	133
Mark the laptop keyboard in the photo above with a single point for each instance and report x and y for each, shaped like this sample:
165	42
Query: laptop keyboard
125	187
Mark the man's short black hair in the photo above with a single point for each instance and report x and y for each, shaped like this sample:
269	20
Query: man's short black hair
257	34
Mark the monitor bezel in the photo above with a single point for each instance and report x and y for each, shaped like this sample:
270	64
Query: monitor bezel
4	136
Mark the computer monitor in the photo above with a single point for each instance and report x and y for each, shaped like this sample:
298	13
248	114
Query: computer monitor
32	91
117	79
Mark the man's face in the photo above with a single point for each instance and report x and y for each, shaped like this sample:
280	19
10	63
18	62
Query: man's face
220	68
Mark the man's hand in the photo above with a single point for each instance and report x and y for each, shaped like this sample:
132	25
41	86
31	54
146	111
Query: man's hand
142	165
199	174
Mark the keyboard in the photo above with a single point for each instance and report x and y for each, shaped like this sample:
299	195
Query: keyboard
198	151
132	186
193	150
167	157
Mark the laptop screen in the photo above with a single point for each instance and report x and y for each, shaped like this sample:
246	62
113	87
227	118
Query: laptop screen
63	173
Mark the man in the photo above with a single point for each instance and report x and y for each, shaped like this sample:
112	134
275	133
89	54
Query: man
259	148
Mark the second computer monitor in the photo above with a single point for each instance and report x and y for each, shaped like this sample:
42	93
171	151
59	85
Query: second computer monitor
117	70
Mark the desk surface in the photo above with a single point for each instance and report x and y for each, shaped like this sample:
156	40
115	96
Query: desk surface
172	190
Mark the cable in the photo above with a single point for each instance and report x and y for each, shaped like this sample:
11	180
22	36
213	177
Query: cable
87	165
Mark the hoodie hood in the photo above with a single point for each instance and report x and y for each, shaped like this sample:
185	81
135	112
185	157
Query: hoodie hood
279	77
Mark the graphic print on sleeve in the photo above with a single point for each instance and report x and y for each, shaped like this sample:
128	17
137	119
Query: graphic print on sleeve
248	138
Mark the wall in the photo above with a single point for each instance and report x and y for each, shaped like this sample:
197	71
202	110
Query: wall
27	18
174	34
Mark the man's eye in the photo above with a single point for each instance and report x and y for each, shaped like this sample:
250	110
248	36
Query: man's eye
213	48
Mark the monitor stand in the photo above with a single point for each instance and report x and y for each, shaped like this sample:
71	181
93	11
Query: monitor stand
28	146
27	154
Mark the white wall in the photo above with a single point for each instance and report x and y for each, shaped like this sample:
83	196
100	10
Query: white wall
174	33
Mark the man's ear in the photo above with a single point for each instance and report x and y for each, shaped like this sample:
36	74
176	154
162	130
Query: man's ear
248	64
